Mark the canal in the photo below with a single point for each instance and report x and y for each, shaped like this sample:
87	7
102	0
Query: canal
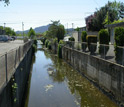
53	83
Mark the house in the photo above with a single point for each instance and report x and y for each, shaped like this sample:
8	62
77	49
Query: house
77	34
112	29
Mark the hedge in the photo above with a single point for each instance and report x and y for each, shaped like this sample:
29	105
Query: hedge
49	45
83	39
92	39
46	43
119	41
71	39
59	52
103	39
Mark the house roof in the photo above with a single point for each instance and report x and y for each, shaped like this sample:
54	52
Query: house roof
115	25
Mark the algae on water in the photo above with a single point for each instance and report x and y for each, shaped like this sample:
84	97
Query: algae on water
48	87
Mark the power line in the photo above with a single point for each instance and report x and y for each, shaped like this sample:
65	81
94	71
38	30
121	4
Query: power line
96	3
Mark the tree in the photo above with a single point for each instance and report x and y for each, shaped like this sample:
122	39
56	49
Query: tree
60	32
9	31
5	1
77	29
13	33
104	15
31	33
56	30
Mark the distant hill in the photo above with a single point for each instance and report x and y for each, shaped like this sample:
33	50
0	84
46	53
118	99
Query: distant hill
40	29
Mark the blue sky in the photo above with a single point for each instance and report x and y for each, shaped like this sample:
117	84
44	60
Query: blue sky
36	13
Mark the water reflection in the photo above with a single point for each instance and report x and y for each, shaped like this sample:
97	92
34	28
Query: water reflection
86	93
55	84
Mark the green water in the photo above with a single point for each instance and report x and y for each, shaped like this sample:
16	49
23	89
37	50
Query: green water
53	83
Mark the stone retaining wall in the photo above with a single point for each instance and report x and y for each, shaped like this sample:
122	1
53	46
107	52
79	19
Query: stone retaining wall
108	75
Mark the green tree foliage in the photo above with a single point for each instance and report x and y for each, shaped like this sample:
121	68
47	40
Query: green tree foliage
8	31
107	20
5	1
56	30
31	33
71	39
77	29
1	27
46	43
59	52
13	33
119	41
105	15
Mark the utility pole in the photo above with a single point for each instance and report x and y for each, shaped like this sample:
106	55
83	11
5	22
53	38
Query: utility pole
72	26
23	29
67	28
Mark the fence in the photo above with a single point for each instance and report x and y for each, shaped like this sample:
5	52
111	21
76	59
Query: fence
99	50
10	60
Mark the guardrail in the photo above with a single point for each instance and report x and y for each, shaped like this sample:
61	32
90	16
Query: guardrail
10	60
103	51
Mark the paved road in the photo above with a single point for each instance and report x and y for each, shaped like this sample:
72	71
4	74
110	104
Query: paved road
7	46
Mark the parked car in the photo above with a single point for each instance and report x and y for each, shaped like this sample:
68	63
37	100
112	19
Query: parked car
14	37
10	38
4	38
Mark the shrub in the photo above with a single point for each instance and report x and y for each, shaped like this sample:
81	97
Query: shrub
35	41
61	42
43	40
55	40
103	39
71	43
83	39
71	39
59	51
83	36
46	43
92	39
34	49
119	41
49	45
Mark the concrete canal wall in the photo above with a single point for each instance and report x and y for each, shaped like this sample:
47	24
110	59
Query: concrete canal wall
109	76
12	94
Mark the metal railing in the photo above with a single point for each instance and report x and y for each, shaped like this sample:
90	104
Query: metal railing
107	52
10	60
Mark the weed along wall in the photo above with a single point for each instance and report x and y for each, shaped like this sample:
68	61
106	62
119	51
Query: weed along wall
12	94
108	75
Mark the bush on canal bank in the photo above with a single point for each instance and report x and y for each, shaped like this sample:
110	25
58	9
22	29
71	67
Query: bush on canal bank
43	40
92	43
35	41
119	41
61	42
103	39
71	39
83	39
46	43
49	45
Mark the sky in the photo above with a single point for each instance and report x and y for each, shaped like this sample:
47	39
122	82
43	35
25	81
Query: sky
35	13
